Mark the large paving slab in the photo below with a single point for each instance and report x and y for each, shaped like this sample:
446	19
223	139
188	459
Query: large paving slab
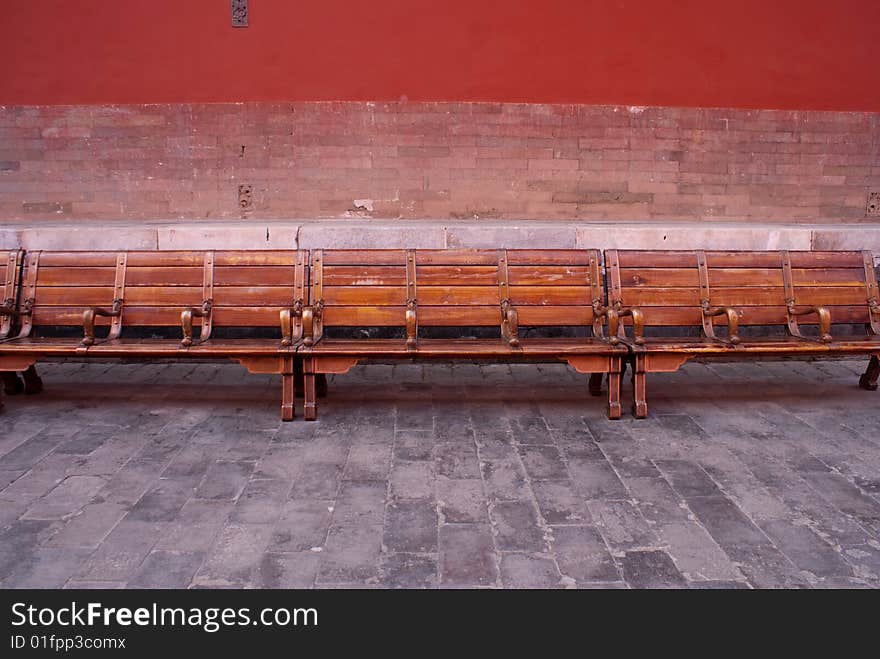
759	475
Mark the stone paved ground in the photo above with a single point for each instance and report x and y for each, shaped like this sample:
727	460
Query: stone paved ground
160	475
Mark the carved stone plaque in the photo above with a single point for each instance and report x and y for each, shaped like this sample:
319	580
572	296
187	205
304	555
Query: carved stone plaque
239	13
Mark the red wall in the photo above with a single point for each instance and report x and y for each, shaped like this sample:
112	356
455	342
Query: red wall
818	54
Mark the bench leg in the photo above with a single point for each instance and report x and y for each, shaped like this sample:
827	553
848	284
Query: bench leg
614	388
320	381
33	383
12	384
310	406
288	394
596	384
869	379
640	382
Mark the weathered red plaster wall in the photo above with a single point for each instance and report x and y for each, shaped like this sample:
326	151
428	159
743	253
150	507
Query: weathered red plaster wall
436	160
792	54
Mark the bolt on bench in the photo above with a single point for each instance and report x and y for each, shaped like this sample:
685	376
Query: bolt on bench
112	293
718	292
413	290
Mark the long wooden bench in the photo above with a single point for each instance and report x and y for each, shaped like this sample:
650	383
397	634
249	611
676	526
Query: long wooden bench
417	290
110	296
718	292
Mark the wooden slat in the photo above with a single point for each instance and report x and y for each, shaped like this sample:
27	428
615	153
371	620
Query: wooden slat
555	316
457	275
825	259
457	257
854	277
169	258
100	259
657	277
163	317
364	257
364	275
740	277
94	276
364	296
365	316
243	296
690	316
438	316
178	296
75	296
552	275
459	296
736	297
549	256
521	296
721	259
256	258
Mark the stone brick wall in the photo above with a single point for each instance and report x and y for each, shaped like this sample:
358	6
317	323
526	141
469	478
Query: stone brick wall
447	161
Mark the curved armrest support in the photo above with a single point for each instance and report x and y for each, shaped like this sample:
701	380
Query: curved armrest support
412	339
309	326
824	320
732	321
186	322
510	324
89	320
286	328
614	316
312	320
287	324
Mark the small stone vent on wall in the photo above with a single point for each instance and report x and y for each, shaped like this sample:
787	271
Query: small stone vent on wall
239	13
873	203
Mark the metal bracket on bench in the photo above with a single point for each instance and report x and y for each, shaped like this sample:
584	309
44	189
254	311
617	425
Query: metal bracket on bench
115	313
594	279
13	268
312	317
205	311
873	294
28	297
791	307
412	302
291	319
707	311
509	315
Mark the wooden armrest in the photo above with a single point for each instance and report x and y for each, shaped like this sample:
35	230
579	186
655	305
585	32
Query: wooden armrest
614	316
89	320
311	320
732	321
287	316
510	324
412	325
824	320
186	321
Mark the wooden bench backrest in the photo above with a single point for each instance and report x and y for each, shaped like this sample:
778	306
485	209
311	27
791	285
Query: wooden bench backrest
10	270
248	288
666	285
455	287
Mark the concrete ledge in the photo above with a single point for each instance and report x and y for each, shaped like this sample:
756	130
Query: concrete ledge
436	234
